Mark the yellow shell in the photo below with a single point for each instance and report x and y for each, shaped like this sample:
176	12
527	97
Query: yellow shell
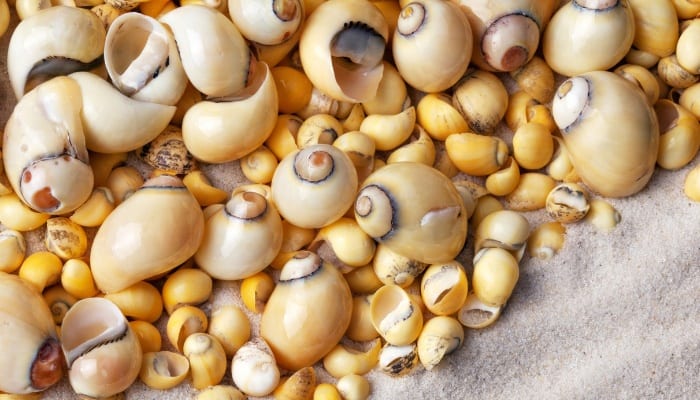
163	369
395	315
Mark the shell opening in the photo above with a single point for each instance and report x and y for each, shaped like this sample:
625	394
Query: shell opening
571	102
54	66
314	167
48	365
597	5
302	265
377	211
247	205
667	114
357	52
285	10
510	41
411	19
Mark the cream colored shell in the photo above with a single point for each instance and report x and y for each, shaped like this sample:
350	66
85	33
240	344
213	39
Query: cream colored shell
267	22
153	231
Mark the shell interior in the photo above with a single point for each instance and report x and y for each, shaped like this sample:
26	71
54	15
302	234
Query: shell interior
51	67
357	51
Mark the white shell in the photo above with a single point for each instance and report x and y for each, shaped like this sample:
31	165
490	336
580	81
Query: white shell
267	22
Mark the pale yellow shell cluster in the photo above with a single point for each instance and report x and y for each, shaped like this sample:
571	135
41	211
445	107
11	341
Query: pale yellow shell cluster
379	210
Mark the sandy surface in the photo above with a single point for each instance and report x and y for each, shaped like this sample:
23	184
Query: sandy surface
613	315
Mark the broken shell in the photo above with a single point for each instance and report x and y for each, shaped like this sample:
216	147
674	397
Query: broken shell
168	152
315	186
95	209
482	99
343	360
214	54
307	313
360	148
267	23
241	239
143	61
13	248
546	240
186	286
148	336
256	290
398	360
254	370
392	268
395	315
221	392
41	269
210	133
422	62
495	275
477	315
341	49
680	135
353	387
415	210
28	337
65	238
128	246
55	41
567	202
76	278
344	245
44	149
361	328
600	38
440	336
184	322
102	352
353	121
476	155
506	229
603	215
207	359
299	386
444	288
613	164
516	114
163	369
282	140
230	326
115	123
139	301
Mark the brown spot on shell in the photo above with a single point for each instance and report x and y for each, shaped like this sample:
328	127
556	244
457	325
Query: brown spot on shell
48	365
44	200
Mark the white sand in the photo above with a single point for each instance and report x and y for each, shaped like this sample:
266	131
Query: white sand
613	315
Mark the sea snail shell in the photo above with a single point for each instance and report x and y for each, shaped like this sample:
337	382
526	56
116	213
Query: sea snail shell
32	359
414	210
613	159
44	151
267	22
341	49
153	231
103	353
56	41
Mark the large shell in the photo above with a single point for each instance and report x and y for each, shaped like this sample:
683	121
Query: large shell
32	359
432	45
154	230
227	130
414	210
341	49
55	41
115	123
612	159
44	151
307	313
103	353
142	59
213	52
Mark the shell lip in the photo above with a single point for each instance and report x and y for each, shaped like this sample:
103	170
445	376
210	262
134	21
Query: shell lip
302	275
414	26
394	222
595	5
53	66
255	76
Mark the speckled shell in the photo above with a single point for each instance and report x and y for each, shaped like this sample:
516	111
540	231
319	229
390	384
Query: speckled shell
307	313
167	152
414	210
153	231
613	159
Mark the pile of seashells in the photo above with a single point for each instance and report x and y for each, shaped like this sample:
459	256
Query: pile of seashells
368	150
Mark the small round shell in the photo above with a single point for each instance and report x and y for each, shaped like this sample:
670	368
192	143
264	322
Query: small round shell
230	326
184	322
167	152
163	369
495	274
343	360
444	288
440	336
344	245
482	99
475	154
567	202
299	386
76	278
392	268
398	360
139	301
13	248
254	369
546	239
207	359
186	286
395	315
65	238
477	315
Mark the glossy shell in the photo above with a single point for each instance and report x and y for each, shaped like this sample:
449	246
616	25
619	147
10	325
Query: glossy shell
267	22
612	159
395	315
307	313
167	152
132	244
414	210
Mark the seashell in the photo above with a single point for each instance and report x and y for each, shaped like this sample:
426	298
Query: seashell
319	128
13	248
444	288
4	17
361	328
475	314
33	357
395	315
256	291
14	214
143	61
186	286
495	275
414	210
293	89
210	133
207	359
241	239
343	360
168	152
314	186
307	313
504	181
531	192
680	135
505	229
398	360
203	190
65	238
344	245
567	202
326	391
440	336
139	301
686	9
215	56
148	336
259	166
220	392
389	131
128	246
643	78
485	205
102	352
691	184
115	123
267	23
436	114
282	140
476	155
294	239
600	38
183	322
95	209
546	239
59	302
230	326
392	268
673	74
41	269
163	369
106	13
391	93
614	165
482	99
123	181
655	26
360	148
533	145
341	49
76	278
422	63
44	150
299	386
536	78
418	148
254	370
56	41
353	387
603	215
